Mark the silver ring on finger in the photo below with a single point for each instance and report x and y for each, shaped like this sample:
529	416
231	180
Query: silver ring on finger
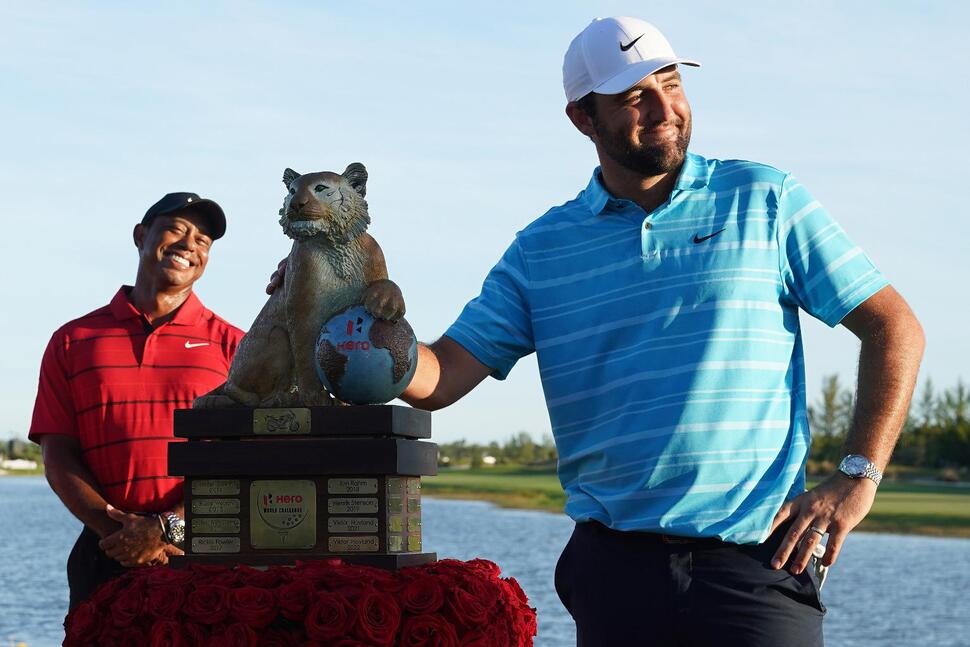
818	531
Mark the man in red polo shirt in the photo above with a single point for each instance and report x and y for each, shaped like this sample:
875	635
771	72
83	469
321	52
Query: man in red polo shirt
109	383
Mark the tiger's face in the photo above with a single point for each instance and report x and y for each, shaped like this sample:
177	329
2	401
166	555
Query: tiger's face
325	204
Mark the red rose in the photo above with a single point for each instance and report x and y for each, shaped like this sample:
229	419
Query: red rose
165	602
105	593
329	617
485	567
129	604
378	617
167	633
194	634
82	625
428	631
512	585
465	609
112	636
276	637
252	606
422	595
166	575
202	573
206	604
264	579
238	635
294	597
350	642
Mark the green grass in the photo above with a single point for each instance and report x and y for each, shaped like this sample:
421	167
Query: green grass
900	507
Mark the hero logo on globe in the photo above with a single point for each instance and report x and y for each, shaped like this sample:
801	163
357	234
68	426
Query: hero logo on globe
282	511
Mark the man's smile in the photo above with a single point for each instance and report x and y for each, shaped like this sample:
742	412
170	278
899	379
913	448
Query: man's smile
177	260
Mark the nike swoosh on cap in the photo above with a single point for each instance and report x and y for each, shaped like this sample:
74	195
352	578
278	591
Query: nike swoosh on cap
189	344
631	43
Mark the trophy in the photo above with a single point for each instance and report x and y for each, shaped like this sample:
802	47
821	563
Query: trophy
295	457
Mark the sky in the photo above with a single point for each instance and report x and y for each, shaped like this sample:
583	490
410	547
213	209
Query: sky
456	109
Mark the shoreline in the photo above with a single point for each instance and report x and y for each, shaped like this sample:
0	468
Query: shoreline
876	522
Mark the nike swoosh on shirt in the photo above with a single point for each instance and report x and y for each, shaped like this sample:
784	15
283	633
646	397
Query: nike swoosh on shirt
189	344
699	239
630	44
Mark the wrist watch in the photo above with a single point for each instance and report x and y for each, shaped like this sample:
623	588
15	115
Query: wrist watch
856	466
174	528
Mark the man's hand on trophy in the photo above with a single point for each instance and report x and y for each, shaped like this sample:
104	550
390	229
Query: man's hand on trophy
276	278
384	300
137	543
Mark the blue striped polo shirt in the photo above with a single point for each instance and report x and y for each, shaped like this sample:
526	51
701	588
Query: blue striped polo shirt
668	343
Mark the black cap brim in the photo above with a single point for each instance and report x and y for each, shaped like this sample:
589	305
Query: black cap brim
175	202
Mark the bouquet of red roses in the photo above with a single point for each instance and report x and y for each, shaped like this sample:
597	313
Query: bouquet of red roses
443	604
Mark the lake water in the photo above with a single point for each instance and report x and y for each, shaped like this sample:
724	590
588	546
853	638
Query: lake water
885	589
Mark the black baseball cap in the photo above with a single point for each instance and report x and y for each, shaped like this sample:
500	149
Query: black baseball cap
179	201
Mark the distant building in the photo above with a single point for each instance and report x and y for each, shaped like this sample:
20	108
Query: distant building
17	464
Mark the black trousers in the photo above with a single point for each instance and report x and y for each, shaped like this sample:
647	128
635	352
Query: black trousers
88	567
634	589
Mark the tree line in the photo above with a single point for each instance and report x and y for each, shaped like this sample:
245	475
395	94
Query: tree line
936	435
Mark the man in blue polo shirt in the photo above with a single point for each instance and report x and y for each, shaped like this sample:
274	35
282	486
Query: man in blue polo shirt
662	303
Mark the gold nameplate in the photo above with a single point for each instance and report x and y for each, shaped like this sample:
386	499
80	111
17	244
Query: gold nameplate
414	486
353	544
362	505
394	485
215	487
394	523
215	506
215	526
414	505
395	505
215	544
414	543
395	544
352	486
281	421
351	524
414	524
283	514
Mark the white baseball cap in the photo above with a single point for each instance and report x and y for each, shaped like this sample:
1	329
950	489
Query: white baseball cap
612	54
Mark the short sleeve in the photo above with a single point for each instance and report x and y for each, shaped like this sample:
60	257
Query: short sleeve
54	406
824	272
496	326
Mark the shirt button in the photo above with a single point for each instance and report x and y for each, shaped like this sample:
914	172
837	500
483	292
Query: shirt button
647	225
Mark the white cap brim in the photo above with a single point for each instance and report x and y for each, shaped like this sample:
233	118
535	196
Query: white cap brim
634	73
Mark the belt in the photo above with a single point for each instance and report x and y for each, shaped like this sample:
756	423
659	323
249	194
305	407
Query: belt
706	542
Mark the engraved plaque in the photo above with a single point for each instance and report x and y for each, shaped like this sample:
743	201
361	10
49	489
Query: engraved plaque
281	421
414	543
215	506
395	544
394	484
352	486
394	523
283	514
414	486
215	487
353	544
395	505
361	505
414	505
215	526
215	544
351	524
414	524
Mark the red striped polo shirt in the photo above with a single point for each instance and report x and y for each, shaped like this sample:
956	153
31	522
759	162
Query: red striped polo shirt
112	382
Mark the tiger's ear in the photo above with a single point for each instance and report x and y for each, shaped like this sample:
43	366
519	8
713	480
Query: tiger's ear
288	176
356	174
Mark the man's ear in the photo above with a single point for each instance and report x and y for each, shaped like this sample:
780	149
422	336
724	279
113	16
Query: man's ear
582	121
139	234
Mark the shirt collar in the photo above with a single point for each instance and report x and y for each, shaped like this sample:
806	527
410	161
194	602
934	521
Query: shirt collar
694	174
188	314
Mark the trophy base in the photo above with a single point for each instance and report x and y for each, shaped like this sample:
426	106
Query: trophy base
391	562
